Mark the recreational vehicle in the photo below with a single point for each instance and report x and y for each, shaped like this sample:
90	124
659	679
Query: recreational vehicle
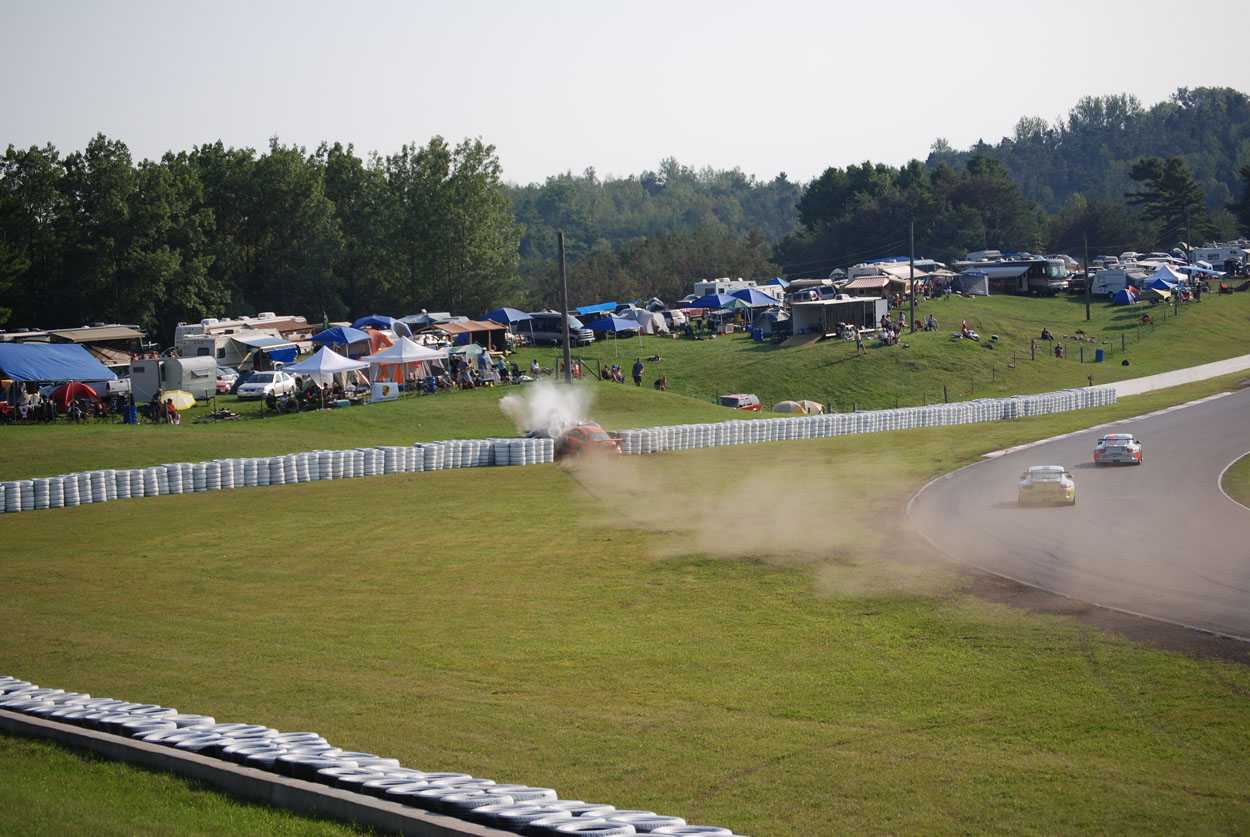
196	375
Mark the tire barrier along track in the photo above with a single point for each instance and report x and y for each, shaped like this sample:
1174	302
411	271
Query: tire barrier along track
301	770
193	477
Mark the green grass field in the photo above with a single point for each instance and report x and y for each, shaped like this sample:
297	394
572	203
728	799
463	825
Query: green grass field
1237	481
748	637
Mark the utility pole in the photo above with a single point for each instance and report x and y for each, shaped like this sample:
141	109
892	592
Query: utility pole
911	268
1089	280
564	283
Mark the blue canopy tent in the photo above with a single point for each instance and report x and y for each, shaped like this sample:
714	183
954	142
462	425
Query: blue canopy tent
713	302
382	321
754	298
777	280
51	362
511	316
507	316
614	326
340	336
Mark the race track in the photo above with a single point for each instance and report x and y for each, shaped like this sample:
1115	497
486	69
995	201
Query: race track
1160	539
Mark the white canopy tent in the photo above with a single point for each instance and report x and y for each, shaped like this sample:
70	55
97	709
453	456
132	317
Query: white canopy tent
324	365
404	358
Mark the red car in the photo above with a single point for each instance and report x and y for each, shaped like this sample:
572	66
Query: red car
587	438
740	401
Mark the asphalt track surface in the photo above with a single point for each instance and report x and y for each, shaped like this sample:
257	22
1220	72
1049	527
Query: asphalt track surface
1159	540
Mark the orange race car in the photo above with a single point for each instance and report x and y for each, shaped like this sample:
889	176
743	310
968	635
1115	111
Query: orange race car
587	438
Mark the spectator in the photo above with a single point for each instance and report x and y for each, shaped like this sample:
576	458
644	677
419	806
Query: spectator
171	412
637	372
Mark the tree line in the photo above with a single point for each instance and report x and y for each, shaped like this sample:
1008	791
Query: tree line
94	236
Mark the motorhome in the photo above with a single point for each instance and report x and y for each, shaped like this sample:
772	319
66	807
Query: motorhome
291	327
1222	256
1020	273
723	285
244	348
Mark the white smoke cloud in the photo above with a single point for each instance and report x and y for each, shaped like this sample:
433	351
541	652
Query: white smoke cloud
547	407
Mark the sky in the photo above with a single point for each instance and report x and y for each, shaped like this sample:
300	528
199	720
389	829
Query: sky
765	87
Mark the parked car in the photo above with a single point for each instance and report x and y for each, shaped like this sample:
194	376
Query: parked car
1046	484
1118	447
548	327
585	439
263	384
740	401
226	378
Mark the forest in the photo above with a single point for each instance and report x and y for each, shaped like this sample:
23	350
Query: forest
94	236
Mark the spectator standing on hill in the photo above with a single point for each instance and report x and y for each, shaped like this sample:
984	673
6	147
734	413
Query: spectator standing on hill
638	367
859	343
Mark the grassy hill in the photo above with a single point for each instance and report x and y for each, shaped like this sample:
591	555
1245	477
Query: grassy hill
748	637
914	372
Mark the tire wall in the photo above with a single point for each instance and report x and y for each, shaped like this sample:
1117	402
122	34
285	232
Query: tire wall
193	477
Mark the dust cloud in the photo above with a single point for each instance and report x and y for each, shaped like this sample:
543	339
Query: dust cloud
547	407
801	512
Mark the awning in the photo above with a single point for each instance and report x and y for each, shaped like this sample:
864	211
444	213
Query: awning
51	362
465	328
97	335
1011	272
264	342
868	283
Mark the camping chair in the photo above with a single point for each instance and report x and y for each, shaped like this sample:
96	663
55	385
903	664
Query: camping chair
429	385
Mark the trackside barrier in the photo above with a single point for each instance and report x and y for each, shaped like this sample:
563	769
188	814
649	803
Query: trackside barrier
647	440
190	477
302	770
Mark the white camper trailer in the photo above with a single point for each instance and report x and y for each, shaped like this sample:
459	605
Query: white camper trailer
1110	282
196	375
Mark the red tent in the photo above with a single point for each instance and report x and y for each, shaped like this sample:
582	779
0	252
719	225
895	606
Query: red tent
72	391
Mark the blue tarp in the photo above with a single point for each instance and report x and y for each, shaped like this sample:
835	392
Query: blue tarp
595	309
778	281
49	362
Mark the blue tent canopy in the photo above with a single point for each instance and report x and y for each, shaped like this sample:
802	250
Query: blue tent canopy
754	298
340	335
613	325
383	321
507	316
713	301
778	281
51	362
1162	284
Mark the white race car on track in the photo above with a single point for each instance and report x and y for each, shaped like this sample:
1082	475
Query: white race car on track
1047	484
1118	447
